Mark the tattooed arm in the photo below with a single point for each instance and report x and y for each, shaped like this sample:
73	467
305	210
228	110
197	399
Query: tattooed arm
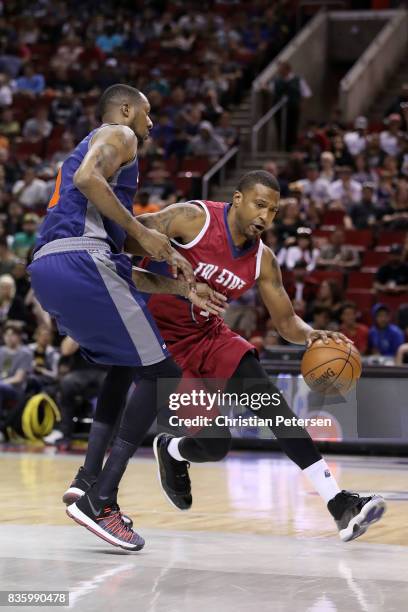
110	148
182	221
288	324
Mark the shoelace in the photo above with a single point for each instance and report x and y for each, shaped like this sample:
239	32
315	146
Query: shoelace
116	525
181	473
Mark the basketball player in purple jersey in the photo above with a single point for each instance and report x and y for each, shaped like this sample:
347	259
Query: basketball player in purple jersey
82	277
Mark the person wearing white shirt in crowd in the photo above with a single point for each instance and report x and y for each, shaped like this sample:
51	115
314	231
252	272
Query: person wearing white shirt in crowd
38	127
345	190
303	250
30	191
327	163
356	141
390	138
6	91
313	186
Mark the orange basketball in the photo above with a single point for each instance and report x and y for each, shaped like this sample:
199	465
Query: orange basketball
331	368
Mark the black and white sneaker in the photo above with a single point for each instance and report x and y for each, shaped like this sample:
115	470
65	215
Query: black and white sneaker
104	519
173	474
354	514
82	483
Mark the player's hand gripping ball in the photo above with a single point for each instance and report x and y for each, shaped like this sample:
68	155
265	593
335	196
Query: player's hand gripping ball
331	367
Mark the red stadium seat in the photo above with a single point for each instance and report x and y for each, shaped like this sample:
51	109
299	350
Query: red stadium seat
25	148
333	217
360	280
195	164
387	238
363	299
393	301
321	275
359	238
373	259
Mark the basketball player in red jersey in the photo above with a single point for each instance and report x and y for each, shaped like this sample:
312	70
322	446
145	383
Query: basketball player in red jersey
222	242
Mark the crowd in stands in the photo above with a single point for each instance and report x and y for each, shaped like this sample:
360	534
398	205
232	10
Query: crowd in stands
193	60
341	236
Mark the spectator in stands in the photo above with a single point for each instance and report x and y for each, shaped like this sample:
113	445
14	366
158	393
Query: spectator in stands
313	186
357	332
10	60
45	360
287	83
110	40
341	154
356	141
30	82
9	126
142	204
24	241
329	295
366	213
399	105
7	258
384	338
322	318
11	305
158	182
392	277
301	288
207	143
67	145
30	191
86	123
15	364
6	91
289	219
396	213
38	127
363	174
227	132
15	217
338	255
373	153
345	191
65	108
302	250
390	139
82	381
327	166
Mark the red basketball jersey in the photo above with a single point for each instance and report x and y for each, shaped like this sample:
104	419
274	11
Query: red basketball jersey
216	261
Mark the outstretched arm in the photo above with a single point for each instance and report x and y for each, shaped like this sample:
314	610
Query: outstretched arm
202	295
109	149
288	324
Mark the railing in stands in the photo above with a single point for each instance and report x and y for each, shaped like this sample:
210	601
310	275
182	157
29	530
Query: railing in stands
282	104
220	167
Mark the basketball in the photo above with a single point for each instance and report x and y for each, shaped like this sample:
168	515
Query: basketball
331	368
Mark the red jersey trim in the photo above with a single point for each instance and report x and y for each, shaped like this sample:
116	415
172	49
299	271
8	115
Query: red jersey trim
200	235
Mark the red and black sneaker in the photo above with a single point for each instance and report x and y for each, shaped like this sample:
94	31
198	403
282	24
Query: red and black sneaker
104	519
81	484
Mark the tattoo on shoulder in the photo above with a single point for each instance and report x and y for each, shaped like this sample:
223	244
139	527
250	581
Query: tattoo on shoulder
276	275
107	159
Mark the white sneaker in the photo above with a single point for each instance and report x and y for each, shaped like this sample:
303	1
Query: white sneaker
53	437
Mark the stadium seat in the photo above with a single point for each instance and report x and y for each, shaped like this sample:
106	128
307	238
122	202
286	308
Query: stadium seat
363	299
360	280
373	259
25	148
321	275
392	301
387	238
333	217
361	239
195	164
